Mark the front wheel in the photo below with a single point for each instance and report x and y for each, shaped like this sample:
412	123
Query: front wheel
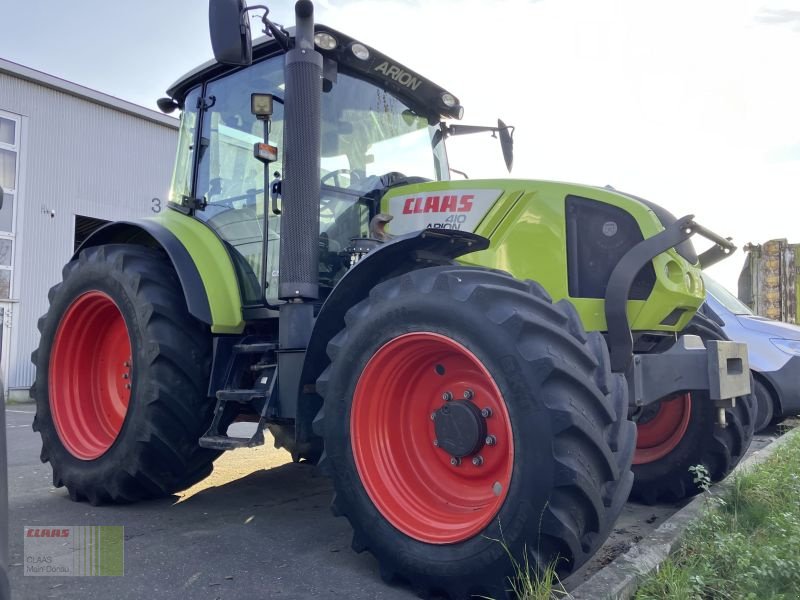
681	432
464	409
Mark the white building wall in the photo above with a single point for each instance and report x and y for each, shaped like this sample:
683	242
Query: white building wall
78	157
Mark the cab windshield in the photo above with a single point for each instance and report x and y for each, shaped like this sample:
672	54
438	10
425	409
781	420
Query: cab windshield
366	133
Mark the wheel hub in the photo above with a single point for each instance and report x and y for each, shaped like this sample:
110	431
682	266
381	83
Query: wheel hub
460	428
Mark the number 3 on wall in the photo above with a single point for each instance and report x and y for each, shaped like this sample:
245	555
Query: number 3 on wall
156	205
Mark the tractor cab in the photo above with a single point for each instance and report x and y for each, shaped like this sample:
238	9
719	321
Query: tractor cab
380	128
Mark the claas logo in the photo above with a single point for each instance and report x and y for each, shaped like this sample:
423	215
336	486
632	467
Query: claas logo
438	204
38	532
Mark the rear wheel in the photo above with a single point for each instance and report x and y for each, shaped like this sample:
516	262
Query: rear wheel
122	370
462	408
682	431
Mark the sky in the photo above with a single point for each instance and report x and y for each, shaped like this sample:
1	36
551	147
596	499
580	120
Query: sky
692	104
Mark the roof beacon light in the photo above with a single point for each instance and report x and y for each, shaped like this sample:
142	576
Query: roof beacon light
325	41
360	51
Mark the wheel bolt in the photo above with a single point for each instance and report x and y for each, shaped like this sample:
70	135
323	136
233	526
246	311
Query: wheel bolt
436	443
486	412
477	460
125	376
447	396
490	440
455	461
468	394
126	364
433	416
127	386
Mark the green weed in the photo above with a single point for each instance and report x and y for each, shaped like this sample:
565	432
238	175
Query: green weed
746	545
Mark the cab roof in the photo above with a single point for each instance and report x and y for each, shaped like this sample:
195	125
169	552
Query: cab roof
419	93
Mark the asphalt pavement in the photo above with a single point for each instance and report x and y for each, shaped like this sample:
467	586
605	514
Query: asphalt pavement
259	527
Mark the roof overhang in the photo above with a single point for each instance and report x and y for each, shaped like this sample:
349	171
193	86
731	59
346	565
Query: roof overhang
84	93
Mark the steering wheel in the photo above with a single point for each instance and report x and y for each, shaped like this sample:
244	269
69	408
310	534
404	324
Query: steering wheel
336	173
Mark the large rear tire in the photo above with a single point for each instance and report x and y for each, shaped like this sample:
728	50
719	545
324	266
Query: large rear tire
463	408
681	432
121	379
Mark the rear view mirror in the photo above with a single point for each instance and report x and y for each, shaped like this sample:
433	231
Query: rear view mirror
506	144
230	32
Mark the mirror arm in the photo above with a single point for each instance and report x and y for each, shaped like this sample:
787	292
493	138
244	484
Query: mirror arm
449	130
506	133
468	129
277	32
270	28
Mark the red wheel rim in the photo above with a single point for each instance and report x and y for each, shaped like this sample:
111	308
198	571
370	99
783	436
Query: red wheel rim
89	379
410	480
659	435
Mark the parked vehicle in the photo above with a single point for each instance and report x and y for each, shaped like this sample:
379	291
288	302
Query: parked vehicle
451	375
773	348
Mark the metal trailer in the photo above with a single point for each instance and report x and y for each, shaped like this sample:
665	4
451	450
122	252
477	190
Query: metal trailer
768	282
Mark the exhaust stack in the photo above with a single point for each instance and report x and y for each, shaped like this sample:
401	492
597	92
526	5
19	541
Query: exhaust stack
299	260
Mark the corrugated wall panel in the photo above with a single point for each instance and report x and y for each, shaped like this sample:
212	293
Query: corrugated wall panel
79	158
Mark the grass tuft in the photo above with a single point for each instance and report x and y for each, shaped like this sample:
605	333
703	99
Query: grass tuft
746	545
529	584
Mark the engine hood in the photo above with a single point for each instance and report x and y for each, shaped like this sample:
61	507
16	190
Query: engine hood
777	329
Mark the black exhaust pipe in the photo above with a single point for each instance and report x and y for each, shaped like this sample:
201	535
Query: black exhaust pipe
299	261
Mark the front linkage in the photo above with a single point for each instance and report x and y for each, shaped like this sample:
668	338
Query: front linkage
653	377
692	401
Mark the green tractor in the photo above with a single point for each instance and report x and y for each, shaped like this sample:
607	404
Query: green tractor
467	360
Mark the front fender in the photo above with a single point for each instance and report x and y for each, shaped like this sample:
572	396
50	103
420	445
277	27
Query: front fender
409	252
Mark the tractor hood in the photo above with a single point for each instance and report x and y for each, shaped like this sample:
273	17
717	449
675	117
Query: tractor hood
568	237
685	249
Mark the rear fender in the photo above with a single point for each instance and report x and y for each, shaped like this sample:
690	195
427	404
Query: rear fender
199	257
406	253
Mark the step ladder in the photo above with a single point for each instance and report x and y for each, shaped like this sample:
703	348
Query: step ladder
259	399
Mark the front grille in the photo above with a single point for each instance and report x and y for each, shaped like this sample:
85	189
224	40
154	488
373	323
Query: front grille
598	236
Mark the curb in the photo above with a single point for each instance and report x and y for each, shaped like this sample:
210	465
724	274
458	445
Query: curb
620	579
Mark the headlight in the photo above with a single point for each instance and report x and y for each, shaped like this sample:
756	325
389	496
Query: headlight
789	346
